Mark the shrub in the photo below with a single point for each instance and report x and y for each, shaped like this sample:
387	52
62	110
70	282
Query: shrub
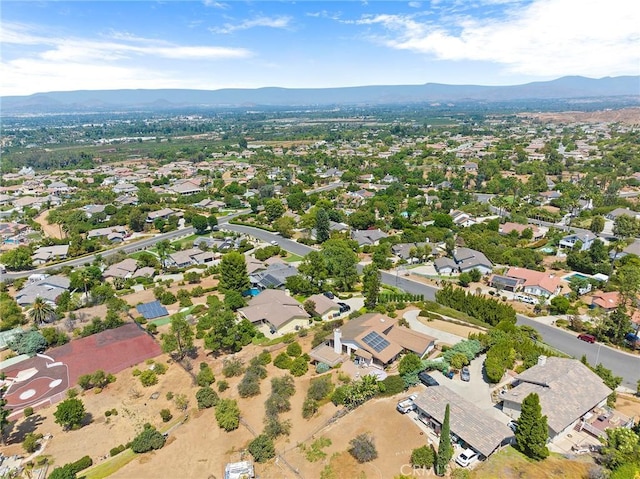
299	366
223	385
282	361
206	398
309	407
249	386
232	367
166	415
363	448
264	357
294	350
228	414
320	388
169	396
205	376
339	395
262	448
393	385
107	413
159	368
322	368
149	439
116	450
30	443
148	378
423	456
28	411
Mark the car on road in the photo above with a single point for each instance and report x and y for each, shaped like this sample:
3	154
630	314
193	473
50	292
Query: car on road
274	243
589	338
427	379
465	374
407	404
467	457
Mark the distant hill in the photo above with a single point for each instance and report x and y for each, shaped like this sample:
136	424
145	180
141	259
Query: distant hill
573	87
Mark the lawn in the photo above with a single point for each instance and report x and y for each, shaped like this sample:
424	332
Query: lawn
510	463
292	258
110	466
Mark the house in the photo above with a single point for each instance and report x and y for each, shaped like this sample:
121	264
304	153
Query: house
274	276
124	269
467	259
633	248
123	200
326	308
185	187
477	429
548	196
42	286
585	237
505	283
44	254
612	215
470	167
214	243
445	265
536	283
377	340
124	189
607	301
404	250
275	312
114	234
368	237
160	214
189	257
568	390
91	210
508	228
460	218
208	203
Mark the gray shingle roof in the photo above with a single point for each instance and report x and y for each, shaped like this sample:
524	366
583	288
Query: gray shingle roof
471	424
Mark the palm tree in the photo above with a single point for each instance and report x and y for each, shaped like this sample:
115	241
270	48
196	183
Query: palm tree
40	311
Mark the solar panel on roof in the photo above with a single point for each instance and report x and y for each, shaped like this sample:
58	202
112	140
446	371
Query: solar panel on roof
152	310
375	341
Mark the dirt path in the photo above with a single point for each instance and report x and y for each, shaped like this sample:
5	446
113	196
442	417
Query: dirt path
50	230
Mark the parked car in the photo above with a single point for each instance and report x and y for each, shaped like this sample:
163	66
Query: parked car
589	338
467	457
344	307
274	243
580	449
427	379
329	294
407	404
465	374
525	299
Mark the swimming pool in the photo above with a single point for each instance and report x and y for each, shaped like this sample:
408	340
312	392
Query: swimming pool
577	276
251	292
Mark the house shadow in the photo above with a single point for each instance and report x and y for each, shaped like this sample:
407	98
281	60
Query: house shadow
16	431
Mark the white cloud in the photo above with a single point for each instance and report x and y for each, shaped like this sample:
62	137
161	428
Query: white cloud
214	4
415	4
282	21
544	38
114	61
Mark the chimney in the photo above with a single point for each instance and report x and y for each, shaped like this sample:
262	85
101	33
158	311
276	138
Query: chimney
542	360
337	341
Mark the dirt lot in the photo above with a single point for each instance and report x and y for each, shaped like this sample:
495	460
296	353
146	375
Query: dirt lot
52	231
629	116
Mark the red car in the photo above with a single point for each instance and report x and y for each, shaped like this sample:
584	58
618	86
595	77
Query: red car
588	338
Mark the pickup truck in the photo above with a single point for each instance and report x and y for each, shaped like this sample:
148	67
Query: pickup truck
406	404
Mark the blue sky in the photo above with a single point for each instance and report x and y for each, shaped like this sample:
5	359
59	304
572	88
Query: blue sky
211	44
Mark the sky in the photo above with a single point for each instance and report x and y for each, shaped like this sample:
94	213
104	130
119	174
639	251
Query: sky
212	44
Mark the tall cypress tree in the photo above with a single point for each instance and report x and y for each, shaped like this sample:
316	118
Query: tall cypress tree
445	449
532	431
371	282
323	231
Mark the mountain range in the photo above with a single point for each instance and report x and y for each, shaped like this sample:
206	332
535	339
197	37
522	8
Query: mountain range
570	87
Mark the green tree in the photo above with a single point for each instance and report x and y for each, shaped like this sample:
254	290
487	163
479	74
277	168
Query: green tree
371	282
28	342
274	209
206	397
410	363
205	376
323	231
341	263
40	312
179	340
200	223
17	259
233	273
31	442
163	248
262	448
70	413
284	225
559	305
150	439
597	224
314	268
625	226
228	414
4	411
445	449
622	447
532	432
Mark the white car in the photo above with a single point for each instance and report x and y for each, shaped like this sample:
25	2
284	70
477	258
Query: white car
467	457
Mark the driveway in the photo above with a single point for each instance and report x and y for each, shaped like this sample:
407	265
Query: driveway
477	391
